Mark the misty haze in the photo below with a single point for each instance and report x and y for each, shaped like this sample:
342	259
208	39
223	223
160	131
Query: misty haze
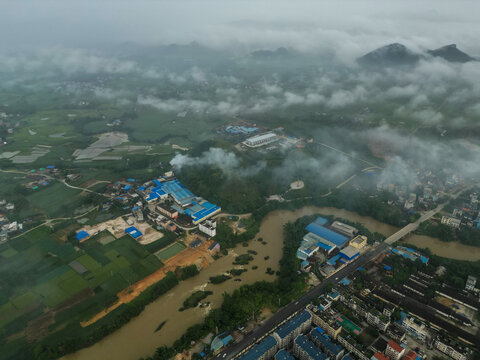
249	180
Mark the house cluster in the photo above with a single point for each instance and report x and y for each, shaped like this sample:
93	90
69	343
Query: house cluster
7	228
465	215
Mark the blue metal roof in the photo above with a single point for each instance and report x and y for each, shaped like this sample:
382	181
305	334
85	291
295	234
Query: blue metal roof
325	342
314	353
130	180
50	167
321	220
324	246
334	259
195	243
82	234
283	355
260	349
127	187
292	324
153	196
133	232
305	263
157	182
327	234
141	188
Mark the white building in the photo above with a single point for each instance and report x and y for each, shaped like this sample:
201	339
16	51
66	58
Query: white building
451	221
471	282
260	140
208	227
417	330
452	351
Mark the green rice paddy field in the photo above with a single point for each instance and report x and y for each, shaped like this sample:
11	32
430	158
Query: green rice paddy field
39	272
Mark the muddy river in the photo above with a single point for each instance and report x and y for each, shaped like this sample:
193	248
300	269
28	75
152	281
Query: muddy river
138	338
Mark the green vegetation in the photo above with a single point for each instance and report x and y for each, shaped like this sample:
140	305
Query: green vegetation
464	235
172	250
219	279
194	299
242	259
237	272
188	272
160	326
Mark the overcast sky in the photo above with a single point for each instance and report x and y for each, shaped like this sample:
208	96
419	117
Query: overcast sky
347	27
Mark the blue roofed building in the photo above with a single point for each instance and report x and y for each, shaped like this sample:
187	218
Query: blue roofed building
133	232
283	355
293	327
263	350
349	253
220	341
82	235
327	234
320	339
321	221
306	350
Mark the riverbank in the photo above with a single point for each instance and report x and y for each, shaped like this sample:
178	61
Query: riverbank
450	250
138	337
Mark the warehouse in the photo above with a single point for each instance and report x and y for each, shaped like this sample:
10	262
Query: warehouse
327	234
344	229
260	140
349	253
133	232
201	212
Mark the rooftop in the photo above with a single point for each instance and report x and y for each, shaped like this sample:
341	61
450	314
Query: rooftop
327	234
325	341
392	344
260	349
284	330
283	355
309	347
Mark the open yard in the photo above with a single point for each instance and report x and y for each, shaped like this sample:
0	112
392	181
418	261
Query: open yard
170	251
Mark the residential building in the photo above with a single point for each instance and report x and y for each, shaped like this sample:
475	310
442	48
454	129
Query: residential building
292	328
394	351
396	332
411	355
471	282
283	355
262	351
451	221
451	349
320	339
378	319
326	320
304	349
379	356
415	328
208	227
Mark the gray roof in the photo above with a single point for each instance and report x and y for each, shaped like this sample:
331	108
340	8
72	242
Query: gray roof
292	324
309	347
283	355
330	346
260	349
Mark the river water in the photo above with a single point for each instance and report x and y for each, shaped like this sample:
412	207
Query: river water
138	338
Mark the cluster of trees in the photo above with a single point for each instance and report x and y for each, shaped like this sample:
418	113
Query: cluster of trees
219	279
194	299
467	236
188	272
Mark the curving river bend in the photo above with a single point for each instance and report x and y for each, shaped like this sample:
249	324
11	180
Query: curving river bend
138	338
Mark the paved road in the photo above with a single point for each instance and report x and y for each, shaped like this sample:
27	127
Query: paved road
284	313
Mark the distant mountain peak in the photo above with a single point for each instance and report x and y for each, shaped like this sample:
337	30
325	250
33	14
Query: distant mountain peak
394	54
451	53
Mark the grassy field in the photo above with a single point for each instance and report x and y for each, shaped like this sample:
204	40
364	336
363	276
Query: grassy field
36	274
56	200
172	250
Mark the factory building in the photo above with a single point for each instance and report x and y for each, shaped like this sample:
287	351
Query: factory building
133	232
167	210
260	140
292	328
200	212
304	349
263	350
327	234
344	229
349	253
